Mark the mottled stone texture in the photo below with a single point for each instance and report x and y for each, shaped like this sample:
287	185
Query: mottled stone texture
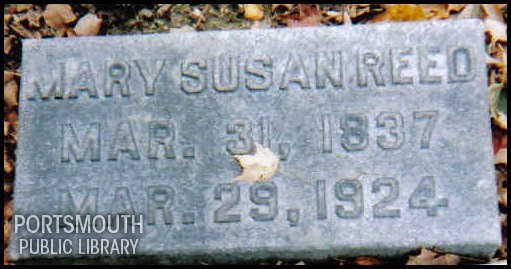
382	131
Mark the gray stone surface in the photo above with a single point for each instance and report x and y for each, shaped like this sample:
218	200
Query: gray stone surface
382	131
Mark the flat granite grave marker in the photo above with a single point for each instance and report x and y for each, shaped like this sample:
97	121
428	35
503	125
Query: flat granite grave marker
382	134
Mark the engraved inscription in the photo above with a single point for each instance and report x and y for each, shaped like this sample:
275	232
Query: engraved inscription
389	125
400	62
350	193
83	81
349	190
329	67
225	73
378	67
149	73
117	75
293	217
424	197
264	194
428	64
295	72
124	142
370	63
327	133
259	73
354	132
393	123
161	135
45	89
193	79
87	205
122	204
321	200
71	145
241	129
160	199
379	209
244	142
431	117
460	64
222	215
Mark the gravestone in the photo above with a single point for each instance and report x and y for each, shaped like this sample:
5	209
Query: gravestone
382	134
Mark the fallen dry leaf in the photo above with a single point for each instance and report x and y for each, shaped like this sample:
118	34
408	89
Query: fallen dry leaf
58	15
501	156
499	138
493	11
258	167
34	19
253	12
281	6
496	29
401	12
300	15
8	43
6	129
6	257
436	11
163	9
359	10
7	232
502	186
428	257
22	31
470	11
365	260
8	210
7	163
12	118
88	25
10	90
455	7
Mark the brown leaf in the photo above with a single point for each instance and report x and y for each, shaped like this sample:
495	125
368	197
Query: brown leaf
436	11
253	12
402	12
493	12
501	156
34	19
7	20
496	29
470	11
12	118
58	15
499	137
88	25
7	163
307	15
163	10
428	257
8	43
502	186
281	6
10	90
7	232
8	210
6	256
6	129
455	7
7	187
366	260
22	31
